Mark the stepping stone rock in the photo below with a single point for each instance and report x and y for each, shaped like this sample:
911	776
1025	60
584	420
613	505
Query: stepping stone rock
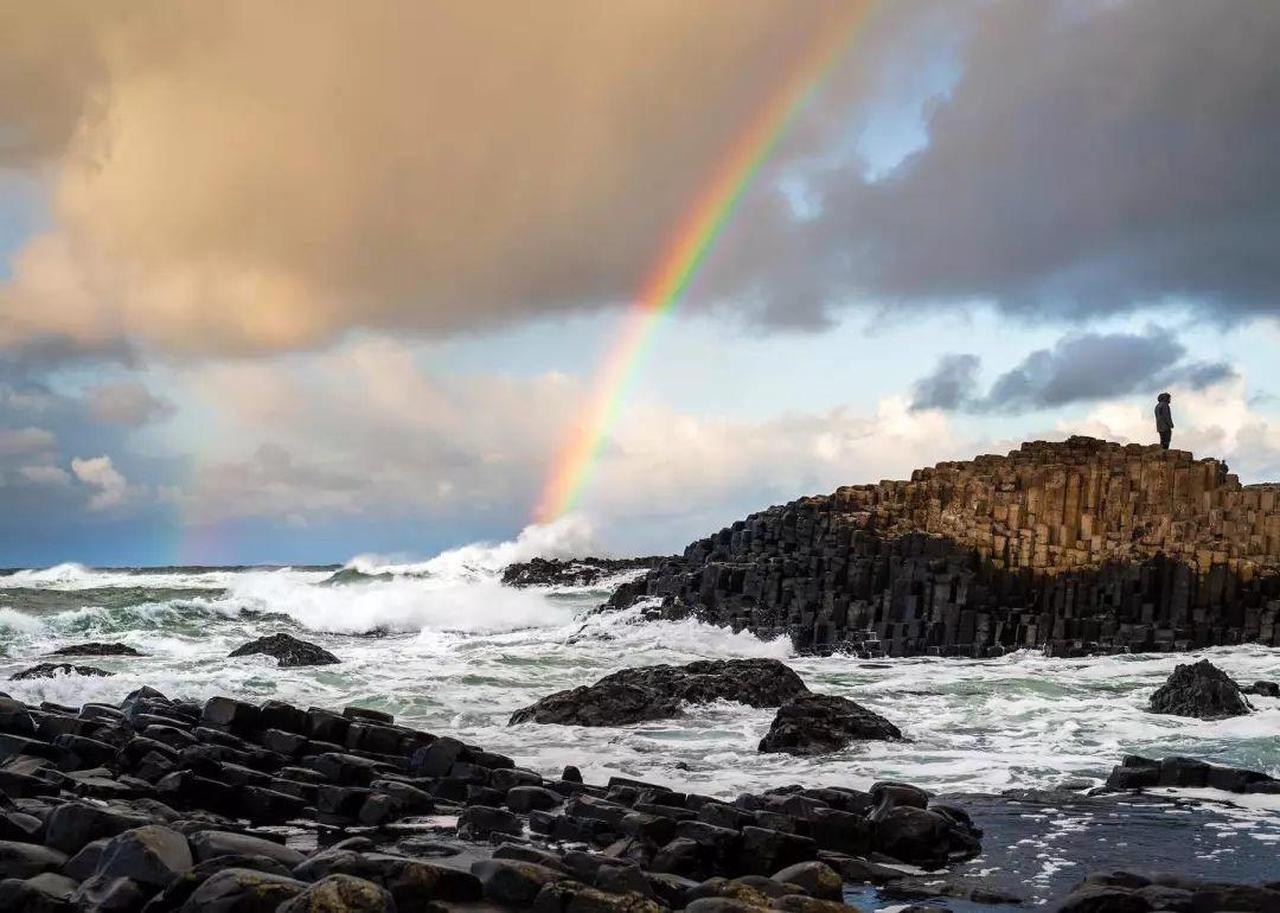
288	651
821	723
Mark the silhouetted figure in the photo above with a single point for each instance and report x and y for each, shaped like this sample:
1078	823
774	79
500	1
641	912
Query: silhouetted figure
1164	419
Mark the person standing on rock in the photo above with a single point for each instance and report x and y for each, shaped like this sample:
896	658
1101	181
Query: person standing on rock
1164	419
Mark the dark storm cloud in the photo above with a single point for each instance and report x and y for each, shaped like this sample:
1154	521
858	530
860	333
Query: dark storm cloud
950	386
1078	368
1090	157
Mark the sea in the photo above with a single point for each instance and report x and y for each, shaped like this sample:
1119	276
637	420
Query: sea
446	647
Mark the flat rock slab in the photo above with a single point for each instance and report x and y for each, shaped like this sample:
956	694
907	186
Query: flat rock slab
658	692
288	651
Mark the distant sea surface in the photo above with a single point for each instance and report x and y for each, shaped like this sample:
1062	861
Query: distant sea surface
445	646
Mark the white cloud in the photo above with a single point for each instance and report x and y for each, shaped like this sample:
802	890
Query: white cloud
125	403
368	431
99	473
25	440
45	475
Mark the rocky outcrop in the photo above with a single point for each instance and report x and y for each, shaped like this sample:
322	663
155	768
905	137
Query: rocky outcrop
659	692
49	670
173	805
1137	772
814	724
1262	689
94	648
1201	690
1134	892
572	571
1078	546
288	651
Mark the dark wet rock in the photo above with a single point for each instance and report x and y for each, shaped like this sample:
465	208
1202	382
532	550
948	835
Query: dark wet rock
922	837
23	860
15	718
511	882
658	692
574	897
98	894
95	648
208	844
175	895
1262	689
72	825
816	878
288	650
149	855
30	897
1141	773
1127	892
242	891
49	670
1200	690
821	723
341	894
572	571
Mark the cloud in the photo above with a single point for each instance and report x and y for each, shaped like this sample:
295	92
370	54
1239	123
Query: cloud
45	475
369	432
99	473
1080	367
245	176
26	440
1089	158
126	403
951	385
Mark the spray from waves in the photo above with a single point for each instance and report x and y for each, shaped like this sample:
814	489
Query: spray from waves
571	536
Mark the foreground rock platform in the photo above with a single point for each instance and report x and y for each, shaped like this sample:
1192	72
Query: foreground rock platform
658	692
168	805
1078	546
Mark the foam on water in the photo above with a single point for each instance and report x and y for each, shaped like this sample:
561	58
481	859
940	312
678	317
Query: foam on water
458	652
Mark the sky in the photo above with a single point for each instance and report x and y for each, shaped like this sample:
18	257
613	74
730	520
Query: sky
295	282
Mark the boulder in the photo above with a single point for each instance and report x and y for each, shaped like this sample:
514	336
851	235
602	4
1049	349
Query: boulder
149	855
1262	689
816	878
341	893
99	894
658	692
95	648
813	724
513	883
208	844
1200	690
23	860
49	670
288	651
31	897
242	891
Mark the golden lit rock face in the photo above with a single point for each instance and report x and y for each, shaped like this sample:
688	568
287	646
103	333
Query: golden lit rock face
1060	506
1077	546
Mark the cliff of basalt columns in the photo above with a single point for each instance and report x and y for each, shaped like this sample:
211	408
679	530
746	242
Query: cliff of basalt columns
1075	547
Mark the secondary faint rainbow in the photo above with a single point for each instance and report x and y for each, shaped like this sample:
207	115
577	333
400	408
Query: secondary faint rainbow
693	238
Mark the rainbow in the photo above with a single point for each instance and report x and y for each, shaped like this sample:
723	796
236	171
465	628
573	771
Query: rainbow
693	239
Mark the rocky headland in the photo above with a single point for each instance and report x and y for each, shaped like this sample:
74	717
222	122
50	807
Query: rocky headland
1074	547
